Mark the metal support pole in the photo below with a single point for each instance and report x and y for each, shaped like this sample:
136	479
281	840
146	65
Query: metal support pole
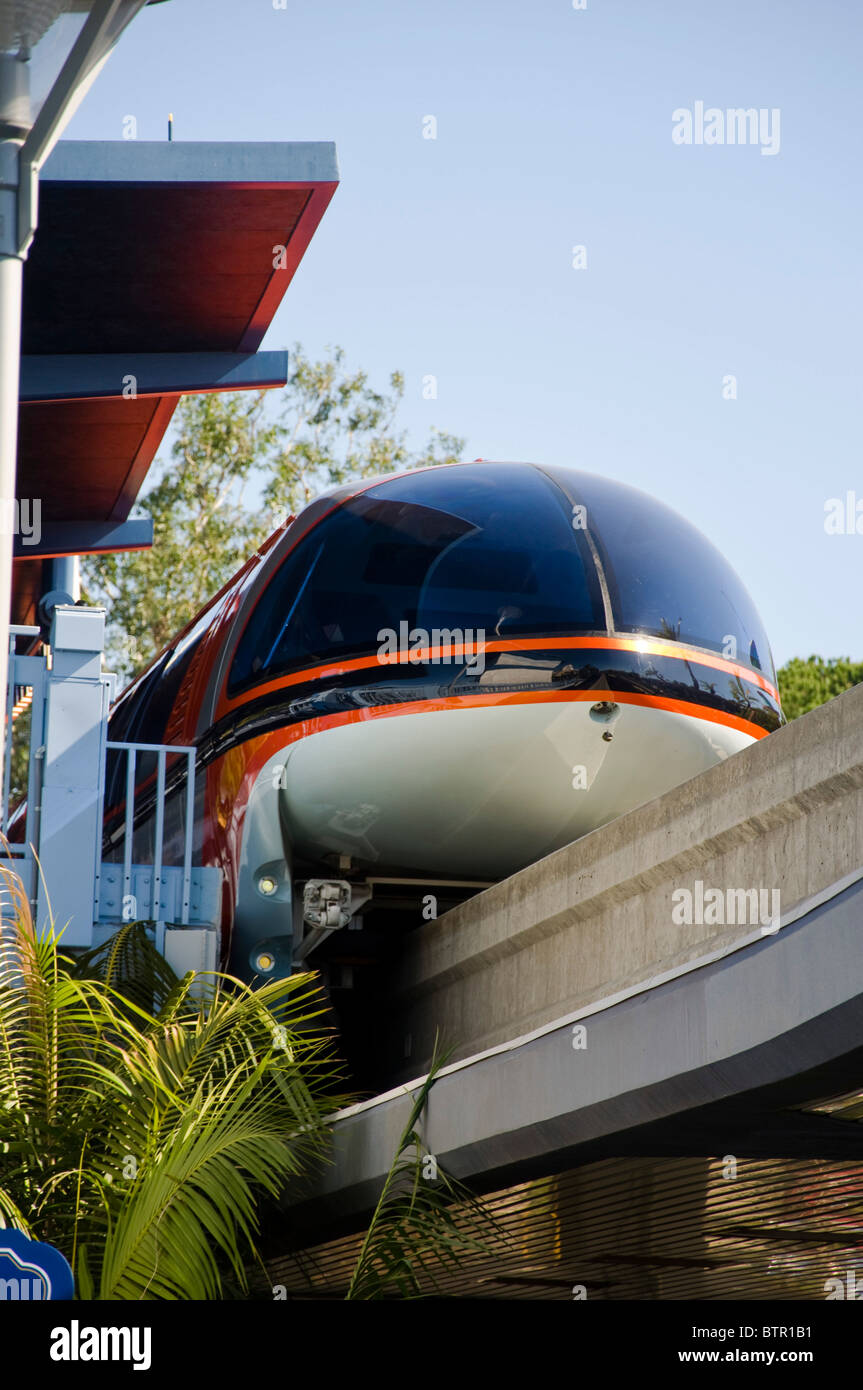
11	275
23	149
66	576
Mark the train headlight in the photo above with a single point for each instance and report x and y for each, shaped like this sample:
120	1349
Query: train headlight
267	885
264	962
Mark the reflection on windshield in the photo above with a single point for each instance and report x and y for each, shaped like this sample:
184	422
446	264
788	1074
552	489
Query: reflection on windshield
505	563
492	548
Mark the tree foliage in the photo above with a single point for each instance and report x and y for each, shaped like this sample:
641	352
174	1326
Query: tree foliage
145	1120
141	1141
239	463
803	685
203	529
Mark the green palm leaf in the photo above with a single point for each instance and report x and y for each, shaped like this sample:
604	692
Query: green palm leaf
143	1120
421	1225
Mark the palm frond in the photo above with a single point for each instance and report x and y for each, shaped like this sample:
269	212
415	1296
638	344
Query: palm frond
129	964
423	1222
141	1134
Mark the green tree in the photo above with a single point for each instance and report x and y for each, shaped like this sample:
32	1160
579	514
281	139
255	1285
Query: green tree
333	426
203	530
803	685
142	1140
145	1120
239	464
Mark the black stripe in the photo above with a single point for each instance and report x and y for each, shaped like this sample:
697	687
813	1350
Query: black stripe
600	669
551	670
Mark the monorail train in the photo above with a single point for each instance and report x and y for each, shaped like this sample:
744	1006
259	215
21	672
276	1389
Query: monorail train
437	678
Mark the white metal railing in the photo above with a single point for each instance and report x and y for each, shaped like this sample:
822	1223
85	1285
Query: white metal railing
61	830
131	751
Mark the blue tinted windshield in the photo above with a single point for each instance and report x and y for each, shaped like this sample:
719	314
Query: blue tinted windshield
485	547
664	577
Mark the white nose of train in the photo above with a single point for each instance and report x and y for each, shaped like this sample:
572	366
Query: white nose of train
481	791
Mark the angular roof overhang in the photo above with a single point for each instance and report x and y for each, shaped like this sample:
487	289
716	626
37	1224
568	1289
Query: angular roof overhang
156	270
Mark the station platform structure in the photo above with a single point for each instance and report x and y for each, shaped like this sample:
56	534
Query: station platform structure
156	271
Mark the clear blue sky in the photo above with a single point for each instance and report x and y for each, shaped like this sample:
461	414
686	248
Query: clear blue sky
453	256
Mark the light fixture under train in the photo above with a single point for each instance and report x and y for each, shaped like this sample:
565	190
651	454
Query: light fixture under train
438	677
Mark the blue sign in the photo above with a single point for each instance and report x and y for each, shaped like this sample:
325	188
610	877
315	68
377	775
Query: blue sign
30	1269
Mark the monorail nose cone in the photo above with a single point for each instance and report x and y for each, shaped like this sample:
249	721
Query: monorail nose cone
410	757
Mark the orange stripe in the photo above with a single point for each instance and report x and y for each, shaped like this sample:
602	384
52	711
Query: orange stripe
533	697
649	646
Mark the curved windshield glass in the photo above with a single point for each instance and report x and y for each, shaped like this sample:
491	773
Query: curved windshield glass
664	577
488	550
495	550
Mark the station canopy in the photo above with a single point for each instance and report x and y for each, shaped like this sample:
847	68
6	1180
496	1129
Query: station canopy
156	270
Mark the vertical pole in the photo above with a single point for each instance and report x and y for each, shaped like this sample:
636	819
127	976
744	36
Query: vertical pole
129	826
73	781
7	741
10	355
160	835
65	576
187	835
34	777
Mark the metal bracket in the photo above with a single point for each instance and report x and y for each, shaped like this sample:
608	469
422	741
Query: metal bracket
326	903
328	906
